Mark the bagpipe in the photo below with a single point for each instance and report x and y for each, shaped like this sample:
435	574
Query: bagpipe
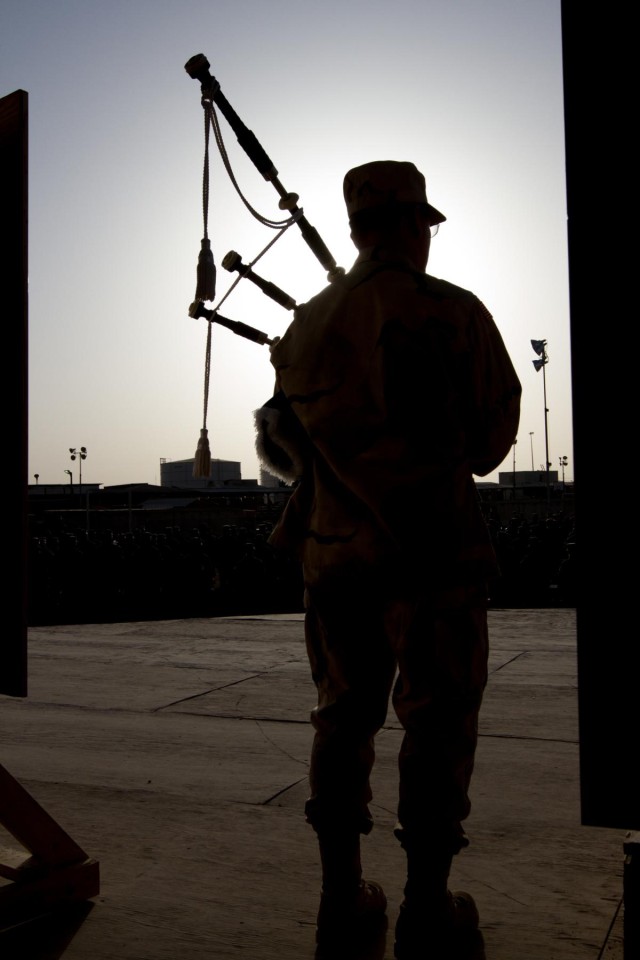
198	68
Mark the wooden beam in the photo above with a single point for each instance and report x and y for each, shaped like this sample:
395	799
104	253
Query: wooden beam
57	872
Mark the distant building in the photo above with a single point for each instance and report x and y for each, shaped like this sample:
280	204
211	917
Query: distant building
269	480
179	473
61	489
527	478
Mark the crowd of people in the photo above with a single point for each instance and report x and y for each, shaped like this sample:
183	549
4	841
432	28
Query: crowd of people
77	576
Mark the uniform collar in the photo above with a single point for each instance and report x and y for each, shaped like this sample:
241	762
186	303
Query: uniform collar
381	254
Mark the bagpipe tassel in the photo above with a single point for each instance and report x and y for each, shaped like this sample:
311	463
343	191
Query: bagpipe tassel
202	462
206	284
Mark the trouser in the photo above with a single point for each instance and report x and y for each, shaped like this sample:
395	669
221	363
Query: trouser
360	639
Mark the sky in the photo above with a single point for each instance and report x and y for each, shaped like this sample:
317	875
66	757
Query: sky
469	90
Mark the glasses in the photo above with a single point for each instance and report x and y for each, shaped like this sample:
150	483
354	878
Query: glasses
434	229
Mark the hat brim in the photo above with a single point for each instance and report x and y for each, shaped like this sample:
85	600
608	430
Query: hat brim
435	216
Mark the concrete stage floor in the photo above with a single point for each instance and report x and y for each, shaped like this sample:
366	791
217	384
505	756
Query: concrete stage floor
175	753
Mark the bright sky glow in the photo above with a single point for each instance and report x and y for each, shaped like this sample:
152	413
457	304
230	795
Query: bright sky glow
470	91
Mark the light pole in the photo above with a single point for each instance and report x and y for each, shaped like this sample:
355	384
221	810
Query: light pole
70	480
563	463
81	454
36	477
531	440
540	347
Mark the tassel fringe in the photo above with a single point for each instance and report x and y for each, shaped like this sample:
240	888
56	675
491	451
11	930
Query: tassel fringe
202	462
206	273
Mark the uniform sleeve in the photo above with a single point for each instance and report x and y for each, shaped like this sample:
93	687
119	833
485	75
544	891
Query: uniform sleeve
494	404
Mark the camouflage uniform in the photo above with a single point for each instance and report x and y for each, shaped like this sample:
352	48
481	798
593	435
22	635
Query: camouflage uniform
392	389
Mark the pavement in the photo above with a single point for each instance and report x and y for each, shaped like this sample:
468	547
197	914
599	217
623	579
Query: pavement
175	754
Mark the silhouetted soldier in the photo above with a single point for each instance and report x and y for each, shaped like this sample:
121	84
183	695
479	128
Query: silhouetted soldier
392	389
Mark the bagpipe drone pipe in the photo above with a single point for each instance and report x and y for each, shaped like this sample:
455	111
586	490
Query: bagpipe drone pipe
198	68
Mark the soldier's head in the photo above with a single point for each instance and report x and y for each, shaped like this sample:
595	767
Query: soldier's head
387	205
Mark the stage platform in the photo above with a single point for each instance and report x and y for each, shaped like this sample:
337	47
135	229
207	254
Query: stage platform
175	754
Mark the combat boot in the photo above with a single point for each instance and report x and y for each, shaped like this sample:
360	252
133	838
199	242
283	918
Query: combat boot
434	922
444	931
351	909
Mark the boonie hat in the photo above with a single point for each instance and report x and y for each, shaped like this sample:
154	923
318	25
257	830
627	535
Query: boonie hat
386	181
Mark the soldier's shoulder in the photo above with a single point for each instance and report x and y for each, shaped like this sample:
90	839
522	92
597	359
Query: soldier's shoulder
445	290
